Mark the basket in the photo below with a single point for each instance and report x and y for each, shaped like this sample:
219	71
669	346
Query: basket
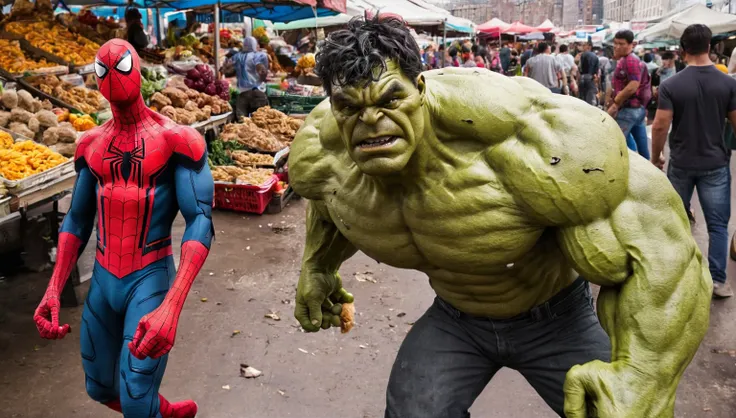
292	103
244	197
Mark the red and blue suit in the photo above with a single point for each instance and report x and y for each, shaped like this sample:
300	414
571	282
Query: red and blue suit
136	172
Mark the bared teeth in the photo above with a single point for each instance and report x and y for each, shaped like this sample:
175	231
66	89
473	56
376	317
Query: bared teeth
368	143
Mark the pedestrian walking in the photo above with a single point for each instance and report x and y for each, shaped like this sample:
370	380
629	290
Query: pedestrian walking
545	69
696	102
631	91
589	67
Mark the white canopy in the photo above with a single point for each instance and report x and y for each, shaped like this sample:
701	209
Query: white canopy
674	26
414	12
452	21
547	24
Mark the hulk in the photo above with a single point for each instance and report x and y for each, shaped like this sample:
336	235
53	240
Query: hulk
506	196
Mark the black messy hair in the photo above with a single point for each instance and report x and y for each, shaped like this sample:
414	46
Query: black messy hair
357	55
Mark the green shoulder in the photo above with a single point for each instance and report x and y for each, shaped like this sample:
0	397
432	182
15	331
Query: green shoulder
476	104
566	161
313	153
562	159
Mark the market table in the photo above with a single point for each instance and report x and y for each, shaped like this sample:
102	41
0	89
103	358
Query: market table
212	123
36	197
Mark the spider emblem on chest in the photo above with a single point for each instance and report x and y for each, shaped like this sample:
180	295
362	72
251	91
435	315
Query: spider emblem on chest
126	164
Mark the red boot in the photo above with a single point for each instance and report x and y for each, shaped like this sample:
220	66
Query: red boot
183	409
114	405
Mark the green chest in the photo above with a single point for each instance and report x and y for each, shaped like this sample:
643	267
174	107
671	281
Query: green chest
464	222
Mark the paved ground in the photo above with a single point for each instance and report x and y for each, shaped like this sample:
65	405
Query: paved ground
252	272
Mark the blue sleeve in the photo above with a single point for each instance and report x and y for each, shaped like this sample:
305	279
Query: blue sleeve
80	218
195	191
261	58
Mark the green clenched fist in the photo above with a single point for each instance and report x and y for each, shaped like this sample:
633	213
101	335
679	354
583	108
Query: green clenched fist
319	299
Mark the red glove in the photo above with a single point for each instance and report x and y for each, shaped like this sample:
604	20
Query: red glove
157	331
47	313
47	317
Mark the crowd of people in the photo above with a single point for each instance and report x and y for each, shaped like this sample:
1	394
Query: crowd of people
686	93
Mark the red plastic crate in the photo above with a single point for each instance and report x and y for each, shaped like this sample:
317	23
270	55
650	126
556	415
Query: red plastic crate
244	197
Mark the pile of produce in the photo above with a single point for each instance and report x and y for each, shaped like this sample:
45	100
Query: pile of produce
186	106
89	25
227	38
14	60
186	48
56	40
244	159
305	66
251	136
152	81
27	10
237	175
22	159
281	126
34	119
79	97
202	79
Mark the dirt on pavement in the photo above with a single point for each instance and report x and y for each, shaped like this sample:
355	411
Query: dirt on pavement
252	271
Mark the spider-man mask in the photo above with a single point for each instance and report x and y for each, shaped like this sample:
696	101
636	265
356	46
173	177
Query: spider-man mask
118	72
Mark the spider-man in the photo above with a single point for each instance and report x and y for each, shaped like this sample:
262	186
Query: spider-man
136	171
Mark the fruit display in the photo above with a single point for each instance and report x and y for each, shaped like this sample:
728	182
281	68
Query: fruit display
153	79
246	159
281	126
27	10
187	48
202	79
82	123
305	65
251	136
238	175
56	40
79	97
87	24
6	140
228	37
26	158
14	60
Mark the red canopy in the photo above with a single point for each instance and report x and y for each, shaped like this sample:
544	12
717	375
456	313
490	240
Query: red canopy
493	27
336	5
520	28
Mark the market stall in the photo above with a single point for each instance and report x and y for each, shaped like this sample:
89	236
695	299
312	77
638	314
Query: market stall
673	26
248	162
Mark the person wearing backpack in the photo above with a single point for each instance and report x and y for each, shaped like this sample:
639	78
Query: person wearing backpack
632	90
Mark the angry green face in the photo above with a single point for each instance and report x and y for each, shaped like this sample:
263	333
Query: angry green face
381	123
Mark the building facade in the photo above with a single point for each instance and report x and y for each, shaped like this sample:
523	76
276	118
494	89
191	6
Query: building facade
581	12
481	12
534	12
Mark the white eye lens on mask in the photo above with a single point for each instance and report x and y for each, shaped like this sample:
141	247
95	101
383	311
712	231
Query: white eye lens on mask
100	69
125	64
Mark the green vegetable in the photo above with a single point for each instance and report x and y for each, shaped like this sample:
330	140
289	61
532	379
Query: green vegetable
219	154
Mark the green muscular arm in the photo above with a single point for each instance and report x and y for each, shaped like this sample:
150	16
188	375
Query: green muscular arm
623	227
654	301
319	283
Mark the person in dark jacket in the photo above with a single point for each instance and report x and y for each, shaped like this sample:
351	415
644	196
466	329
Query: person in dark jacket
136	35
